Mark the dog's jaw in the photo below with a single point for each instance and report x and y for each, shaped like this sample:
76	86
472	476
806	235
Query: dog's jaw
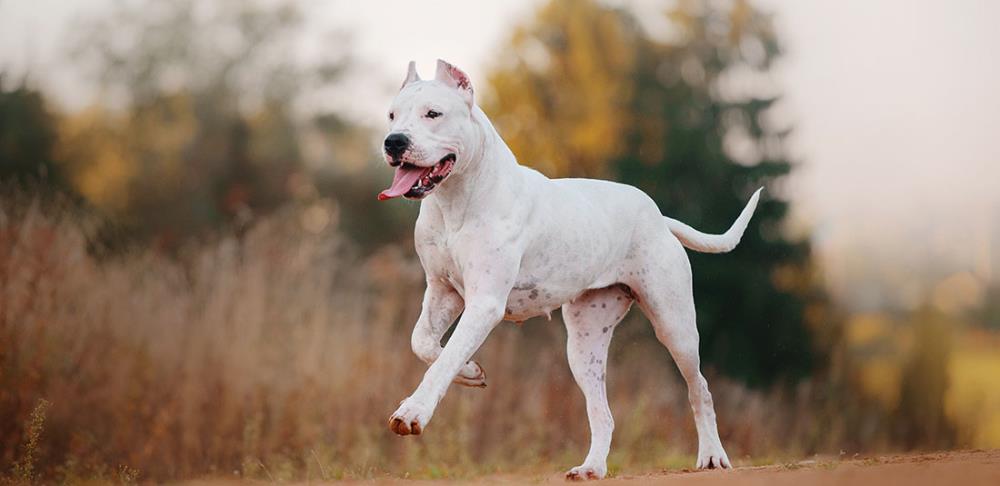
415	182
430	180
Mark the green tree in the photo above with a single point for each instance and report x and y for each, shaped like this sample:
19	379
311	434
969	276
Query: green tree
28	134
676	126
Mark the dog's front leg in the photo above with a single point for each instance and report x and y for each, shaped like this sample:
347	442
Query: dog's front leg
441	307
481	315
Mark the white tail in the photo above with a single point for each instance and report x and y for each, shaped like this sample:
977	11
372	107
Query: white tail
706	243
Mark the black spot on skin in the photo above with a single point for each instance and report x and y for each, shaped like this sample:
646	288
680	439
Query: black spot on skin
605	329
534	294
507	310
520	301
603	305
592	306
576	314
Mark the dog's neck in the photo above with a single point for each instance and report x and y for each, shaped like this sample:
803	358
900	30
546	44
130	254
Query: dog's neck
488	177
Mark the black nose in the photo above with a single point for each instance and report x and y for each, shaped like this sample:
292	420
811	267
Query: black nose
396	144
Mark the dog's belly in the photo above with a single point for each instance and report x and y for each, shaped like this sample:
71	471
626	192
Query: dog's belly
525	302
529	300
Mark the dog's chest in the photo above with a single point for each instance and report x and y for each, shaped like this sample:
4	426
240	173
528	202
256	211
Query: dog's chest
532	294
438	258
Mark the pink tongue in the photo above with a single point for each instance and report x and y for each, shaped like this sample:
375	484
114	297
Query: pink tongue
403	180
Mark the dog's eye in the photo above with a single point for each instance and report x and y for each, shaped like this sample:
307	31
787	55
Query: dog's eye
392	116
433	114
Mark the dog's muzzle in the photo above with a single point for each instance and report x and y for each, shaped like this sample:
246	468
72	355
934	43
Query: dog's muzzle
395	145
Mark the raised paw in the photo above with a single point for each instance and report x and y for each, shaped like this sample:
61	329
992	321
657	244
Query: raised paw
585	473
471	375
408	420
399	426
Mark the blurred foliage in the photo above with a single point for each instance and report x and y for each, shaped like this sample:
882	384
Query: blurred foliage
252	352
206	135
27	137
586	91
922	379
920	418
200	126
560	95
988	313
972	402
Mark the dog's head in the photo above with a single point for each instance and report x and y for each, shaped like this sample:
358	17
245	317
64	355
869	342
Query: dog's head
430	126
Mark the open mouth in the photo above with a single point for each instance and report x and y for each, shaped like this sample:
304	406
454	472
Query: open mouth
415	182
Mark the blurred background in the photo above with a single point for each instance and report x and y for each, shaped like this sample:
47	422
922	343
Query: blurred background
196	279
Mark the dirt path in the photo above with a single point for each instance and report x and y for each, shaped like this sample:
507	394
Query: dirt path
944	469
967	468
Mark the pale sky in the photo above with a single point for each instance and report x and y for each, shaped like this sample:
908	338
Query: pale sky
895	104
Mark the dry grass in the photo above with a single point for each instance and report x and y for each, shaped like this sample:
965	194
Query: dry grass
280	356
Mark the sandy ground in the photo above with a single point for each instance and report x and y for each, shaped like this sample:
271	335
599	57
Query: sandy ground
966	468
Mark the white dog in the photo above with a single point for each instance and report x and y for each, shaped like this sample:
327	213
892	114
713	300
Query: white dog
499	241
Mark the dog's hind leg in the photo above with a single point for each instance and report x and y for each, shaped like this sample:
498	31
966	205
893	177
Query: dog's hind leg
662	284
590	320
441	306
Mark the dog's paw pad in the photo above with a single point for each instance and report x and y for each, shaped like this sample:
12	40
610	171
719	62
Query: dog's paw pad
401	427
407	420
584	473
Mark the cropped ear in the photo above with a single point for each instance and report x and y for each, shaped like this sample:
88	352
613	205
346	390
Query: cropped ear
411	74
454	77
